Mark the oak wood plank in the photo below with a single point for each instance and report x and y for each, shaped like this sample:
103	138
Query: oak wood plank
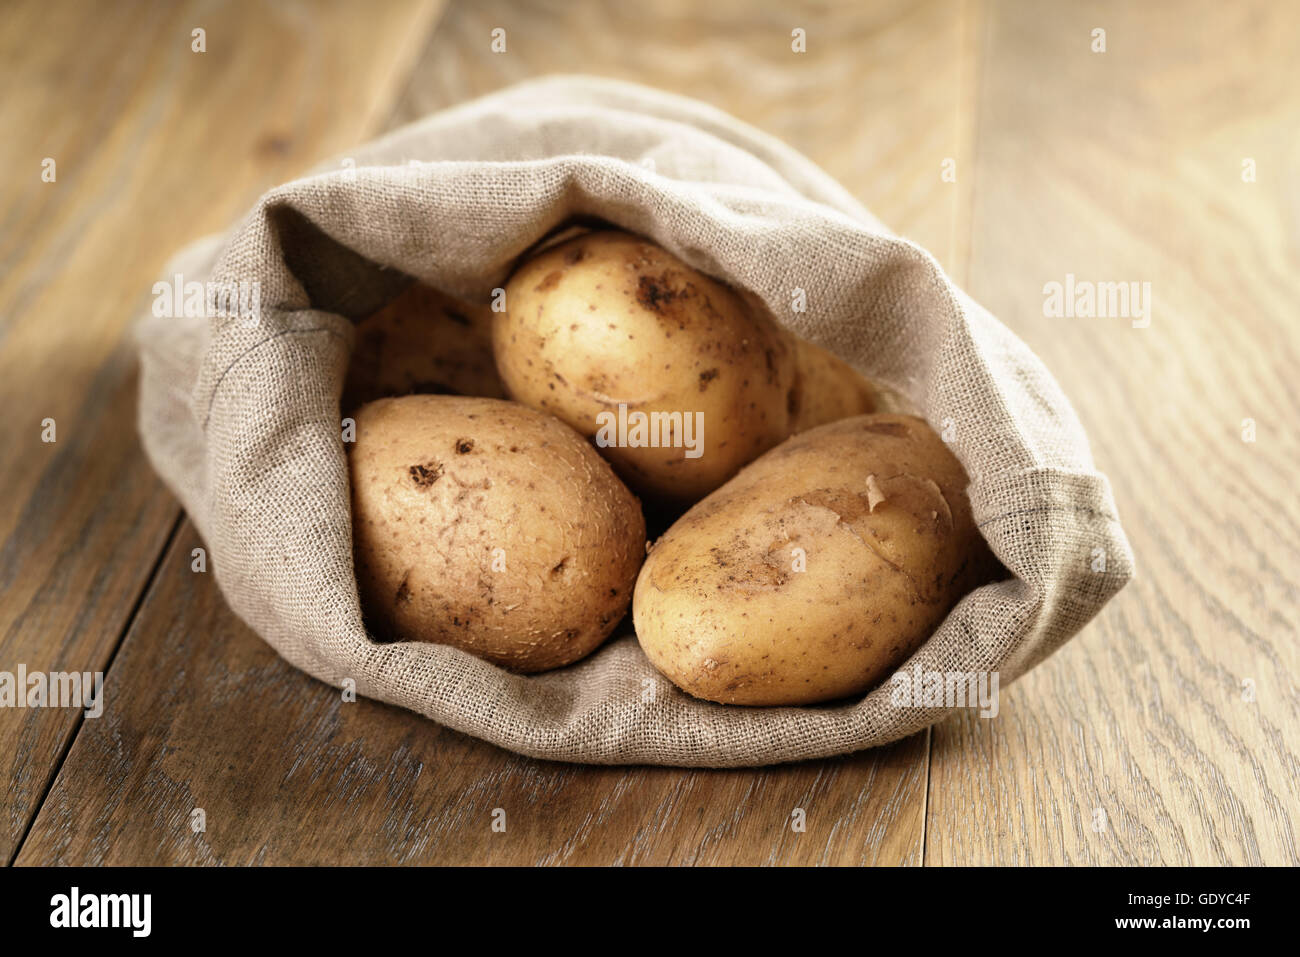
1167	732
153	145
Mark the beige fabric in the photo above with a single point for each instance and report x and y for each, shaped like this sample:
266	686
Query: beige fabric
243	421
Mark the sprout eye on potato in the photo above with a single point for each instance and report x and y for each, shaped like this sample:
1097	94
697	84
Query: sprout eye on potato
488	526
816	570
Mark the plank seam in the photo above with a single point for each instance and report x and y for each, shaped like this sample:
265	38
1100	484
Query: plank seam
127	623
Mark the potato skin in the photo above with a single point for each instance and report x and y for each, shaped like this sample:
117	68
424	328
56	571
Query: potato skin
423	342
609	318
441	483
827	389
877	504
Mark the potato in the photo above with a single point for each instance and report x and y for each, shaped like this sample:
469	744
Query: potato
828	389
423	341
489	526
816	570
607	327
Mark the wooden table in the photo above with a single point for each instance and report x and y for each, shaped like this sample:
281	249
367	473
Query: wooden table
1164	734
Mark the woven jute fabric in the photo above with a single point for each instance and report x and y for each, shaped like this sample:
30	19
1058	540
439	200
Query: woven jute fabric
242	419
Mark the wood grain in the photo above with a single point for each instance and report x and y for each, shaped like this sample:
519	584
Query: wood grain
1127	165
1134	744
201	713
154	145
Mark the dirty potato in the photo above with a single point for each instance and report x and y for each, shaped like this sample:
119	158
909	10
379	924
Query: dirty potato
423	342
678	383
816	570
489	526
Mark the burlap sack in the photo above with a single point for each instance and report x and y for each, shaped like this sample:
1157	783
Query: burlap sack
242	420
